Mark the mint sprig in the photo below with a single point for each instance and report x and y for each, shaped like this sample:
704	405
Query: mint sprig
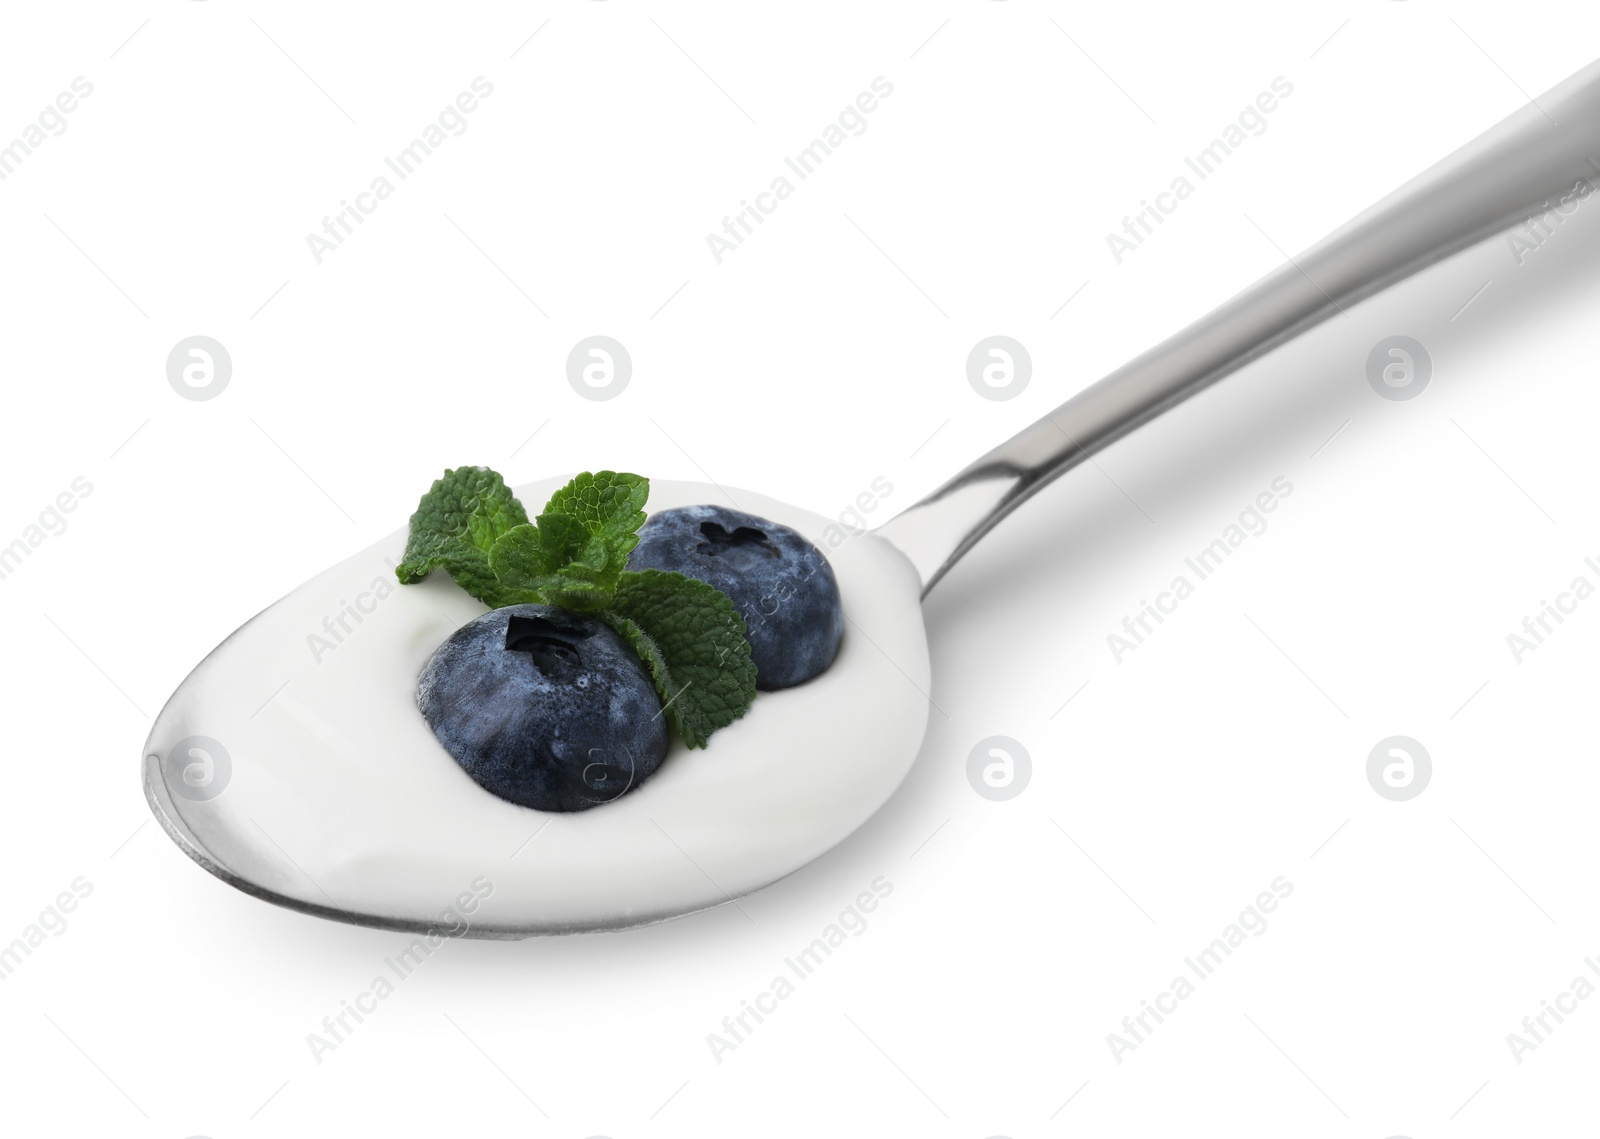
456	525
575	555
693	641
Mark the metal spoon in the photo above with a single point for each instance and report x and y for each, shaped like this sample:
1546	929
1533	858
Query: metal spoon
1514	170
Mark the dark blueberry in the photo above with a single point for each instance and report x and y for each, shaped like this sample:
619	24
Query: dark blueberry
781	584
547	708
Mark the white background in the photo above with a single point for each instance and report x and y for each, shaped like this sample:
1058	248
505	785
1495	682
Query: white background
829	349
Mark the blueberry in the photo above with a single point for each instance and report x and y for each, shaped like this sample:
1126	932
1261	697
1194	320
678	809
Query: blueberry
781	584
547	708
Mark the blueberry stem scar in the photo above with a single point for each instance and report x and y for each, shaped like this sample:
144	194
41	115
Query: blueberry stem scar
719	540
540	638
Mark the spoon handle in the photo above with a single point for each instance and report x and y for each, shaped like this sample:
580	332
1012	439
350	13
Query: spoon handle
1518	168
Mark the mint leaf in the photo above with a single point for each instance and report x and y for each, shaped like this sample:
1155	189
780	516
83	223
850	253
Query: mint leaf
586	534
456	525
693	641
610	506
563	540
519	566
556	562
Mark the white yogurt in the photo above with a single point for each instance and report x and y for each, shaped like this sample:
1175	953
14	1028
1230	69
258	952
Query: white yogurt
338	800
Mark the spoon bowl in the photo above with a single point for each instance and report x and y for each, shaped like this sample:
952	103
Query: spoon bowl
318	785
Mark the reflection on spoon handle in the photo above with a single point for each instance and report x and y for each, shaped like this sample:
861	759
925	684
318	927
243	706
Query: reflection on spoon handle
1516	168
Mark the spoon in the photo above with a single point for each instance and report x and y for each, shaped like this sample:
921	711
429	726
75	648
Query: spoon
292	762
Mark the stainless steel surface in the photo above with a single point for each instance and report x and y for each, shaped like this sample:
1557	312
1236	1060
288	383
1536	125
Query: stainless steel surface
1516	169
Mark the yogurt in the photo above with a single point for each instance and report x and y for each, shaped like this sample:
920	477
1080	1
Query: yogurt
294	764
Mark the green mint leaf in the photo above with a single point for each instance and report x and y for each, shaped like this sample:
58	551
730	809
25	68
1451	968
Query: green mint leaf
573	592
610	505
563	540
519	566
531	564
589	527
456	525
693	641
573	554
